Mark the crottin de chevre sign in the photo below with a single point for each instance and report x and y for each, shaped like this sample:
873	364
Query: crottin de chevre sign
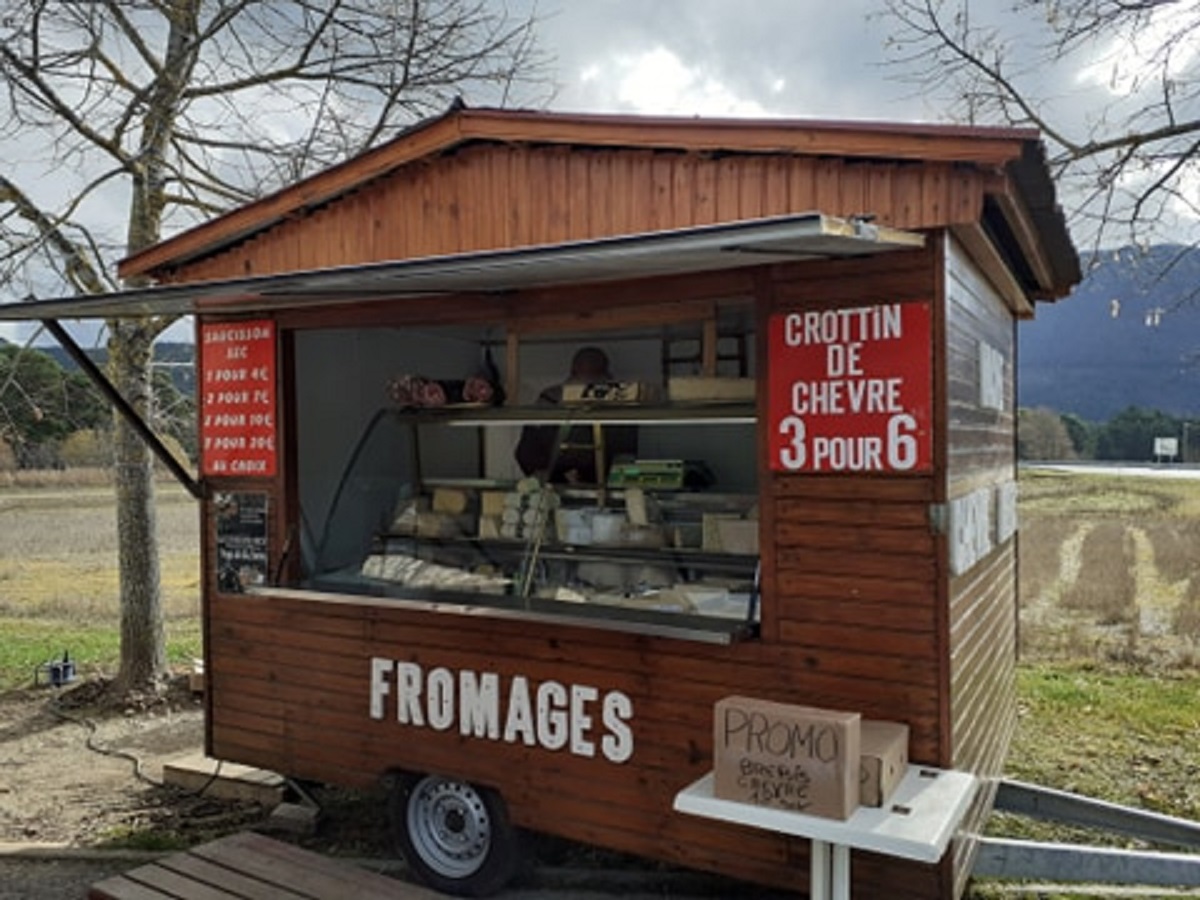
850	390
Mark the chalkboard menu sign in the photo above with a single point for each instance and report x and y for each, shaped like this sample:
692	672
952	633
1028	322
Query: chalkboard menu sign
242	558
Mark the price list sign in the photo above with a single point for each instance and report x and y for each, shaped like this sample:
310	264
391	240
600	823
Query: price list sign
237	399
850	389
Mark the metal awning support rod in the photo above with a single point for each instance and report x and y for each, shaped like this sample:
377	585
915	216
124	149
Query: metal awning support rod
98	378
1039	802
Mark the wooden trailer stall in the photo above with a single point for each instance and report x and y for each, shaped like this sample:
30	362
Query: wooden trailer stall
803	486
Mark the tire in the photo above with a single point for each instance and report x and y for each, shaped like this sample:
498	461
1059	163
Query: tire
455	836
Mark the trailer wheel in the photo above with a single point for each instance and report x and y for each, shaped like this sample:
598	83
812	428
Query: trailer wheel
456	836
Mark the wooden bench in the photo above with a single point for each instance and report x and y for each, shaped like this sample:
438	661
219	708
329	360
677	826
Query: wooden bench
248	866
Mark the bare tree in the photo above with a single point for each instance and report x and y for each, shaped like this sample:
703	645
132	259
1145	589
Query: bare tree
1114	85
121	120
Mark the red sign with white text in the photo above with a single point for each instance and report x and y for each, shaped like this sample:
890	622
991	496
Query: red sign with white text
850	390
237	399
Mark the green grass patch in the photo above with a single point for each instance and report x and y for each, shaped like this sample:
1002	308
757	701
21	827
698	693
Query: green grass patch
26	643
152	839
1126	737
1130	737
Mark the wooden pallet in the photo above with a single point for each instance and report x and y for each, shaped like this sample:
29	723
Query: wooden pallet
248	866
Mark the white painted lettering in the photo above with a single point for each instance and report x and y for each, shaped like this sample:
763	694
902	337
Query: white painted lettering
519	722
479	704
439	698
581	722
408	694
617	745
380	670
553	716
553	728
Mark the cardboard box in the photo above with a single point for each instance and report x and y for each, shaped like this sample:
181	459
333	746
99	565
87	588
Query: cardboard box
451	501
710	539
884	750
738	536
798	758
491	503
695	389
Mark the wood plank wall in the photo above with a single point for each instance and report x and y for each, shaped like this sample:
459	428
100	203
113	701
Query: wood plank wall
983	600
490	196
290	682
854	617
850	623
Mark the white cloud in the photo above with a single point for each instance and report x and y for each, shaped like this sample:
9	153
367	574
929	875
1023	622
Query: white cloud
658	81
1132	62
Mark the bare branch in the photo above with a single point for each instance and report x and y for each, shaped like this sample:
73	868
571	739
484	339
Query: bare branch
1124	136
78	268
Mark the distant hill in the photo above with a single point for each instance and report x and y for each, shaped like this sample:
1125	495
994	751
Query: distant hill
176	357
1129	335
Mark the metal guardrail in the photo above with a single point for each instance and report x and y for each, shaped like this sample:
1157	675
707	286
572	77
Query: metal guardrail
1060	862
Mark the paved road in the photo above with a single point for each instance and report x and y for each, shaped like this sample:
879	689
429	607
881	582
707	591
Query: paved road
1132	470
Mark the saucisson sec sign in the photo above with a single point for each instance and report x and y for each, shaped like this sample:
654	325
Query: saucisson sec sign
237	398
850	390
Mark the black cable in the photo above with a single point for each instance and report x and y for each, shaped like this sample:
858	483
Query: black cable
90	726
134	760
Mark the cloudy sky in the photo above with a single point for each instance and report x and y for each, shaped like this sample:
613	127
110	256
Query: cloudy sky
714	58
765	58
724	57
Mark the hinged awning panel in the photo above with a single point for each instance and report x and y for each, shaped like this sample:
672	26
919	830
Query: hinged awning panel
708	248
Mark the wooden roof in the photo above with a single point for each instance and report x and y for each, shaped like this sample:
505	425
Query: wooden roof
1023	197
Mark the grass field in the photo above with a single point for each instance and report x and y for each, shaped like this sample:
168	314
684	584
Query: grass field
58	576
1110	570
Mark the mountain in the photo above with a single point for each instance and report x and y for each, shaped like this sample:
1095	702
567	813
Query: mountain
177	358
1129	335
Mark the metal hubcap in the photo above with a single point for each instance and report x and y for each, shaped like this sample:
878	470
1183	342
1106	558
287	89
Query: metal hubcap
449	826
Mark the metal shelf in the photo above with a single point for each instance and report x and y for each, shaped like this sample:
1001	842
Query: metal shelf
612	414
683	558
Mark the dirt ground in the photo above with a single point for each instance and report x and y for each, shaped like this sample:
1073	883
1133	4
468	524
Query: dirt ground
77	770
80	773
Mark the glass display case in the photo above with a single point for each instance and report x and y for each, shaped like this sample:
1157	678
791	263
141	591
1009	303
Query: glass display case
640	514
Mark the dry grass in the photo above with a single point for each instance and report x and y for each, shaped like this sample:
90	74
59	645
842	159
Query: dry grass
48	478
1110	569
58	574
58	552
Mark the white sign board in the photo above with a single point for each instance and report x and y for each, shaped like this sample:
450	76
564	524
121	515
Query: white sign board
1166	446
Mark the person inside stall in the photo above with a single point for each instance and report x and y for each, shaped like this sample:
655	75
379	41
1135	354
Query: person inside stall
565	454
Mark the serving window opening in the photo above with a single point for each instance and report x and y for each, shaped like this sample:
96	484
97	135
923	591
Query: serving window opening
604	477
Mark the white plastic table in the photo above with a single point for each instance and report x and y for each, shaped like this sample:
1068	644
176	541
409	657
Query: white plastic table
916	823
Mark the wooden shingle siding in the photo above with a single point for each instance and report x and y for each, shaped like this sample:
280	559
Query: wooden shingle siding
548	195
852	620
855	573
983	600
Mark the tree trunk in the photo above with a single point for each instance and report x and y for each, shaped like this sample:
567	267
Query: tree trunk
143	640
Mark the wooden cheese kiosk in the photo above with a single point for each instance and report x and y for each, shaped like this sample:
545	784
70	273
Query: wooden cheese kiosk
804	487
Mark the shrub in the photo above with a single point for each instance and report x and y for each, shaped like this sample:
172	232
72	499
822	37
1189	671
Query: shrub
87	448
